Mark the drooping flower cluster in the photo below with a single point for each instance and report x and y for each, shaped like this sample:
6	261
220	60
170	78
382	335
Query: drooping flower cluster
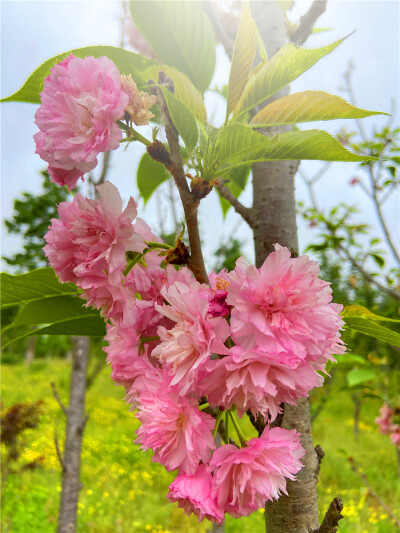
389	423
189	354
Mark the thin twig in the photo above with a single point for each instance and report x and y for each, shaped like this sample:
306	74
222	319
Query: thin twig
57	397
59	454
394	294
243	211
307	21
104	169
364	479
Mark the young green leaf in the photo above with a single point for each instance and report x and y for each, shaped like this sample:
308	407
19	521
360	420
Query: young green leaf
239	144
184	90
358	311
127	63
150	175
181	35
244	51
308	106
182	119
371	328
284	67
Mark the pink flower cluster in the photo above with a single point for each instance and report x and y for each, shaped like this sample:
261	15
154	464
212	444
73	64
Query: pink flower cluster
389	423
185	352
252	341
82	99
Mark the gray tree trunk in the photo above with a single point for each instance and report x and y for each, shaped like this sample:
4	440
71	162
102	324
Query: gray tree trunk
76	420
275	215
30	350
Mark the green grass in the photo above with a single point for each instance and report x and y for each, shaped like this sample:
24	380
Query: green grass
123	491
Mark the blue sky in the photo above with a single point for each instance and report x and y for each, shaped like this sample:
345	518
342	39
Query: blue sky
33	31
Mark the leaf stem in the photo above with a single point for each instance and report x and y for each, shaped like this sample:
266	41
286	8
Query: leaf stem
226	427
239	432
219	416
162	245
204	406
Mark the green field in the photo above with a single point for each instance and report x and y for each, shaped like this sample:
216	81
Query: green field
123	491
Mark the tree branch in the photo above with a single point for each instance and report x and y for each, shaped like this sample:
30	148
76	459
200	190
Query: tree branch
331	518
243	211
394	294
57	397
307	21
59	454
189	202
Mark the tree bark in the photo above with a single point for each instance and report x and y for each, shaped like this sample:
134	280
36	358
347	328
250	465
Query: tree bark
274	215
30	350
76	421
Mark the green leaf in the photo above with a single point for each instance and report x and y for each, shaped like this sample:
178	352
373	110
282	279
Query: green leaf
350	359
43	300
236	190
239	143
238	178
150	175
181	34
127	63
284	67
243	55
91	326
359	376
34	285
52	310
182	118
306	107
184	90
379	260
371	328
363	312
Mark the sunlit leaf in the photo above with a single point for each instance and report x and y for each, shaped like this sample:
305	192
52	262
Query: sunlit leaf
372	329
240	144
363	312
308	106
284	67
182	119
181	34
243	55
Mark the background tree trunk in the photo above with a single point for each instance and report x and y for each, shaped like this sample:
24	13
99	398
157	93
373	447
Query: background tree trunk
76	420
274	212
30	350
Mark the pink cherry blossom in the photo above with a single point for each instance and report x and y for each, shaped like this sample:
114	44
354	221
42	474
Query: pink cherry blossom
93	236
188	345
81	102
175	429
284	307
384	421
245	478
251	379
193	494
